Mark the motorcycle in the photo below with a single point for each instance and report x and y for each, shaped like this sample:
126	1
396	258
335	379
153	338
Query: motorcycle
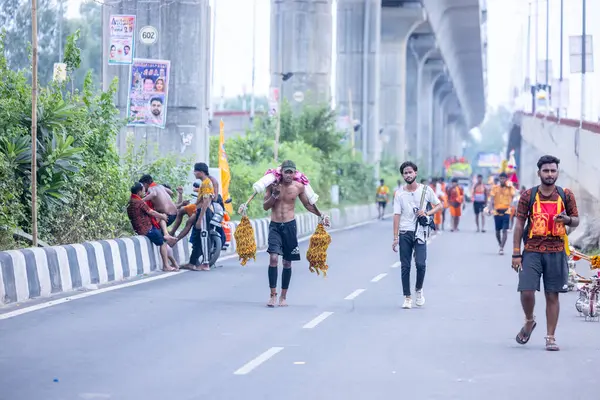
219	232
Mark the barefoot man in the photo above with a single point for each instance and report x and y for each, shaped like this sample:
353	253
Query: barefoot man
161	202
280	198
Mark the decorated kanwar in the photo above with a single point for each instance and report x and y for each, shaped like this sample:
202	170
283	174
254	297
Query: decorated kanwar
281	187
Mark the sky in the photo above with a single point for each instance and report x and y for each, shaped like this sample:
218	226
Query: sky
507	37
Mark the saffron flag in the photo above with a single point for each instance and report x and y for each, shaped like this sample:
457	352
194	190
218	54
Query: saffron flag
224	167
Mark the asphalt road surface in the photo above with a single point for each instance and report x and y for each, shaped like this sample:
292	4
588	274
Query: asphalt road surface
209	336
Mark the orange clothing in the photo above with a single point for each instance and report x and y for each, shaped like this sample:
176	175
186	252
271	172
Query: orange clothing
503	197
456	211
190	209
456	196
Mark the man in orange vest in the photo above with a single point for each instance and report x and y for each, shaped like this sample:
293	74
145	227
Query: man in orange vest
547	209
456	200
500	200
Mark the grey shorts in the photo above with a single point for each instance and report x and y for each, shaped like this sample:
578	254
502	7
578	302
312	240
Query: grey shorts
552	267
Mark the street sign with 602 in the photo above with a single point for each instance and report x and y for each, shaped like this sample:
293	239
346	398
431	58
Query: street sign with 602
148	35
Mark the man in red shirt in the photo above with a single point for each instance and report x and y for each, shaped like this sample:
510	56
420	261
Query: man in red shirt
140	216
547	209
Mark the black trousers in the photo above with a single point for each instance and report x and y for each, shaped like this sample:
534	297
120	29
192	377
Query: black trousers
407	245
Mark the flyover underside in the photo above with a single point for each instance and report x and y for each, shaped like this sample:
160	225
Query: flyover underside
457	25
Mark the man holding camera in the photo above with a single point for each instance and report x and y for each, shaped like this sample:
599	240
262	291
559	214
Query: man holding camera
411	227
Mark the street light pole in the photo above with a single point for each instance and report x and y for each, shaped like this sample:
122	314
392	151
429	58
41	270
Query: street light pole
560	78
252	101
547	43
583	54
34	82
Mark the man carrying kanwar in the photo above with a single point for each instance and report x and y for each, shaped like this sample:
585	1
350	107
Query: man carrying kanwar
285	185
547	209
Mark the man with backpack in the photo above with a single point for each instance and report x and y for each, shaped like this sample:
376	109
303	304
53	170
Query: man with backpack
543	213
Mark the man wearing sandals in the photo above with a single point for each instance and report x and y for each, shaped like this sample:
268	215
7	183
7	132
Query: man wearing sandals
547	209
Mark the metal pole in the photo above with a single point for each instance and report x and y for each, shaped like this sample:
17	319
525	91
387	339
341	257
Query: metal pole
60	30
547	46
583	54
212	61
34	82
537	41
528	75
560	78
365	100
253	59
279	78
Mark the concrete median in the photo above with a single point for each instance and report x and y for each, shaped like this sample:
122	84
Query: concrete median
34	273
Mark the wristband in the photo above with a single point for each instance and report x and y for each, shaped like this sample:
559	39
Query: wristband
517	256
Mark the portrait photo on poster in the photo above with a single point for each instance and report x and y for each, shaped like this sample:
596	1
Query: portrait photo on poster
148	93
122	39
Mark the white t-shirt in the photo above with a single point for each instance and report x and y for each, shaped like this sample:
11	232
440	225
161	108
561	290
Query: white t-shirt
405	202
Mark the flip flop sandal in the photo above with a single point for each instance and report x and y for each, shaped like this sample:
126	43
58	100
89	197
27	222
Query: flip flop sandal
523	336
551	344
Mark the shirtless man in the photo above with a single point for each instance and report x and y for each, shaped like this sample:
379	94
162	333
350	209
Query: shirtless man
280	198
161	201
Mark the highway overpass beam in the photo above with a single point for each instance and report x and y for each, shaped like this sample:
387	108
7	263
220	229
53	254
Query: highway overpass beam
184	39
301	42
397	25
358	73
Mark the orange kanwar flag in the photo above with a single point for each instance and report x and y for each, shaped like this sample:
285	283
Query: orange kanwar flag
224	167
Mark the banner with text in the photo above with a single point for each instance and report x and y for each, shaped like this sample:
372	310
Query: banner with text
148	93
122	39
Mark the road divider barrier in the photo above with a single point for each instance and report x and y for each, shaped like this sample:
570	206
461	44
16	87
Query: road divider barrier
33	273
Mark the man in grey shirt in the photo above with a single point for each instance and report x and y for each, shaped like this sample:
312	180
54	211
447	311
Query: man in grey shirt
410	204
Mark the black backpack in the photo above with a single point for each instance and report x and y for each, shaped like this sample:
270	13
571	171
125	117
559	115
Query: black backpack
534	191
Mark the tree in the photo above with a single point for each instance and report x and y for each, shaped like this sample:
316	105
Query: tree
15	18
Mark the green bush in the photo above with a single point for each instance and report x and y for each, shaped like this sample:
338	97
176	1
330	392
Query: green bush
312	141
83	185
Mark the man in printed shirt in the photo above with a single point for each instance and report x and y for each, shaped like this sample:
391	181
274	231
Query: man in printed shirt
140	216
545	255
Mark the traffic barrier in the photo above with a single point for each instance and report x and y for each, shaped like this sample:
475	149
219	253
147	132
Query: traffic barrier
41	272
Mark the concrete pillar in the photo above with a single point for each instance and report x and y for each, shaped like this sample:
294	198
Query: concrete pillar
301	43
411	99
397	24
434	136
358	41
184	31
423	100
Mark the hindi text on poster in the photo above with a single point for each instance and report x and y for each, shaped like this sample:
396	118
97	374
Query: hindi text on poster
122	39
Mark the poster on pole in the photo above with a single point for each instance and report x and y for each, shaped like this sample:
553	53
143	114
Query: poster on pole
122	39
148	93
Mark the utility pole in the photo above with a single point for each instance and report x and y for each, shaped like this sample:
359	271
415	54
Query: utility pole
560	78
583	55
34	82
252	100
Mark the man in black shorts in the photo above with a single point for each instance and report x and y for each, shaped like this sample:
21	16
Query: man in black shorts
280	198
480	196
546	208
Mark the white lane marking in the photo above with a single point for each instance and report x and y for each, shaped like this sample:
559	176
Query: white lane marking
252	364
317	320
51	303
379	277
396	264
85	273
354	294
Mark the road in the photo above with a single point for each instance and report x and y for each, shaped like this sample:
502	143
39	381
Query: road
209	336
